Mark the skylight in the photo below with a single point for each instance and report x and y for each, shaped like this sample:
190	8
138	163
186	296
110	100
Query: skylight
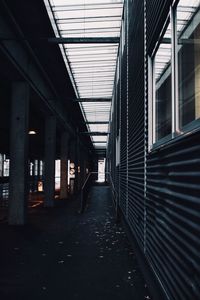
91	65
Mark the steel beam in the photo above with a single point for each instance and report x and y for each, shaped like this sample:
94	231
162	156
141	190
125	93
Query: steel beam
97	123
95	133
74	40
93	100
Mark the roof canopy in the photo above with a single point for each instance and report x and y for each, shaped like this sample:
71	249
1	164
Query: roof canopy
91	30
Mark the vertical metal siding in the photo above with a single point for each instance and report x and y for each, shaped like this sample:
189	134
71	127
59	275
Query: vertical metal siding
163	186
156	14
173	198
136	122
123	126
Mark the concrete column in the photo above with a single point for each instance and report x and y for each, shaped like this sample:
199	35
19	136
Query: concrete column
19	167
64	165
49	161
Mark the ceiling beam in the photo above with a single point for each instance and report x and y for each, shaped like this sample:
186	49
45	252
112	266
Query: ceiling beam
92	40
93	100
97	122
94	133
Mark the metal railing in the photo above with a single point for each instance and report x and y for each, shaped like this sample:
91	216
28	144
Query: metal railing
85	190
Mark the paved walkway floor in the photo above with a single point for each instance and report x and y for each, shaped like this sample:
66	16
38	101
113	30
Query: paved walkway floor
61	255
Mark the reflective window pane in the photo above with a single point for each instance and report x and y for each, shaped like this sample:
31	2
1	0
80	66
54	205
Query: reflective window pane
162	69
188	28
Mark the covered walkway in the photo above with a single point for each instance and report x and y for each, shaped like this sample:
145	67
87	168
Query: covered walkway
64	255
109	87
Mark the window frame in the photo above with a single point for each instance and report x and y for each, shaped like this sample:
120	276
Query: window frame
176	132
152	94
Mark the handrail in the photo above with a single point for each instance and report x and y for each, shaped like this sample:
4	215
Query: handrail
84	190
86	181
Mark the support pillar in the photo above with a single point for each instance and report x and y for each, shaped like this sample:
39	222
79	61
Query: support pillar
64	166
49	161
19	167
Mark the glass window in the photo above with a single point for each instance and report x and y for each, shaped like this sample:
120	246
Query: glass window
175	69
31	166
41	167
6	167
57	174
35	167
188	32
1	165
163	94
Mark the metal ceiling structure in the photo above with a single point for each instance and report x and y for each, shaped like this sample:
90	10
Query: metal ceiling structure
88	32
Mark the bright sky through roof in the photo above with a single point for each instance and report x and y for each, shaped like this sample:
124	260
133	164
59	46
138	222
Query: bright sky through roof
185	12
92	65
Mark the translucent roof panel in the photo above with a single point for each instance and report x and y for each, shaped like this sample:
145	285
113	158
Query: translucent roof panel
163	54
97	112
98	127
92	65
100	145
99	141
185	12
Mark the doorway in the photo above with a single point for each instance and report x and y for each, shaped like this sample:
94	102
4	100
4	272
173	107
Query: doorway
101	170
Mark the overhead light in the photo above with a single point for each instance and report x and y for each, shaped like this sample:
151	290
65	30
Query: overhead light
32	132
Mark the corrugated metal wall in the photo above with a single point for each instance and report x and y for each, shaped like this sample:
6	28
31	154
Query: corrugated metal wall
160	190
173	198
156	13
136	121
173	217
123	170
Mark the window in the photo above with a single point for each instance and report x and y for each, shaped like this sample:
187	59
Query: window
174	74
163	97
31	166
1	165
6	167
41	167
35	167
57	174
188	32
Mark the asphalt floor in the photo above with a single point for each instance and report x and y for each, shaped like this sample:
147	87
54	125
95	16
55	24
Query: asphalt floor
63	255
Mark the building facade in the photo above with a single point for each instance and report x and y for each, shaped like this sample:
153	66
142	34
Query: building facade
154	150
